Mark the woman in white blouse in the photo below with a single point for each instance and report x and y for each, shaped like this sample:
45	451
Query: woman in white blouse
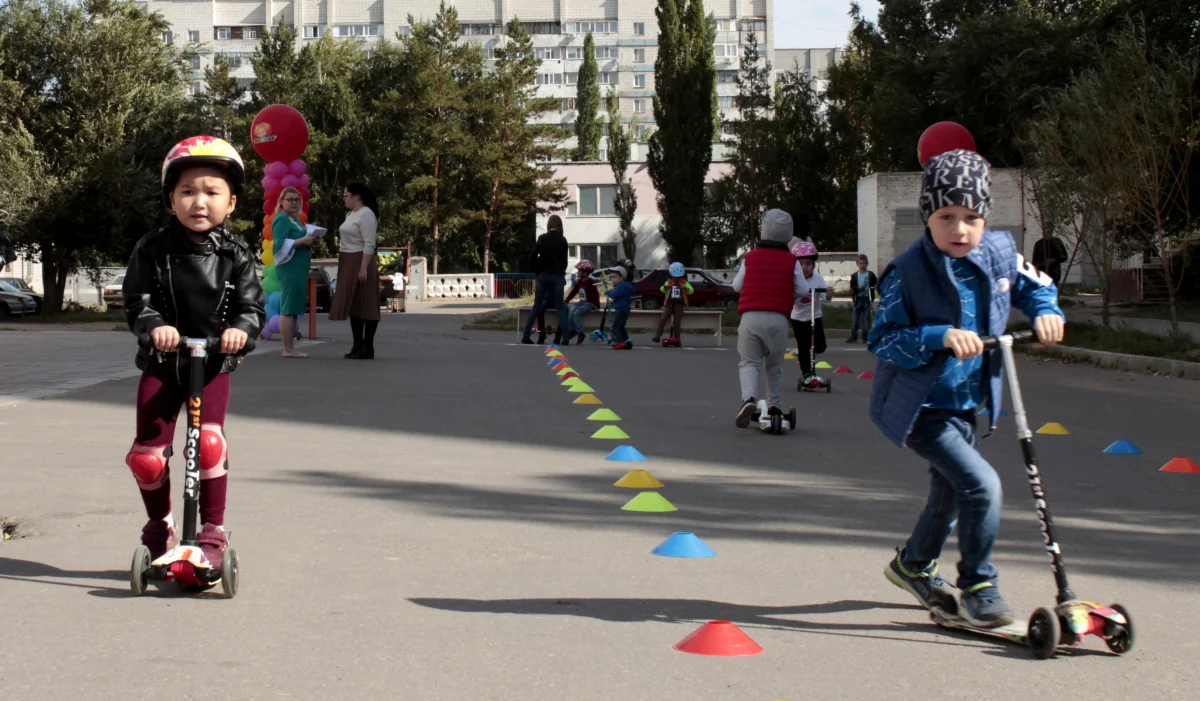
357	293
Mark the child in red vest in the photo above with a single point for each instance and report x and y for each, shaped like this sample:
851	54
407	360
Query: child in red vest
768	282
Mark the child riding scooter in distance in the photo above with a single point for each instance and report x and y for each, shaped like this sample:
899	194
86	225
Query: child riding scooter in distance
807	325
676	292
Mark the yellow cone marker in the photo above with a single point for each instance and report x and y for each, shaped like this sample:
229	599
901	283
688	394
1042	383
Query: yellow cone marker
604	415
610	432
638	479
572	381
587	399
789	356
582	388
564	371
1054	429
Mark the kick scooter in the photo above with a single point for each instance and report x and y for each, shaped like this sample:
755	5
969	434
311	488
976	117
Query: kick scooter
185	563
816	383
1071	620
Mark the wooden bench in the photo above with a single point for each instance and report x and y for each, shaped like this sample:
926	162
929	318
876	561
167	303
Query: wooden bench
639	320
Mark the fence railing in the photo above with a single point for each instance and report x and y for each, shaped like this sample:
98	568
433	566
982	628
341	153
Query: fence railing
513	285
466	286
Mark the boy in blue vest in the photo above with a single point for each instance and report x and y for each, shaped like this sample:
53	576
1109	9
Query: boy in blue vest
955	284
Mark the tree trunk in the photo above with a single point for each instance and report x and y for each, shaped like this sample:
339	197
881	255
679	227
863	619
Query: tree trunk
493	210
437	162
1164	255
53	282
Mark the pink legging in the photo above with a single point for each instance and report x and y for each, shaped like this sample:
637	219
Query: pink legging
158	403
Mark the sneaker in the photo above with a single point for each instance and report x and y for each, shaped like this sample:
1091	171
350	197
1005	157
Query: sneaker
579	339
159	536
983	606
212	542
747	412
927	586
526	340
567	341
656	339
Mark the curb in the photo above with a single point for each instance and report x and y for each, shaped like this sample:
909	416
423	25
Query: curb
1120	361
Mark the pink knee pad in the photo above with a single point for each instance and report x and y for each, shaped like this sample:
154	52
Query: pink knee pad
148	465
214	451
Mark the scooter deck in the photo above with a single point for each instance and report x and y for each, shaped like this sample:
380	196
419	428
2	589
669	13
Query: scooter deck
1016	632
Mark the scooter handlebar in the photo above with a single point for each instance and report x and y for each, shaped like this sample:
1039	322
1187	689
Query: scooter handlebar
210	342
1024	336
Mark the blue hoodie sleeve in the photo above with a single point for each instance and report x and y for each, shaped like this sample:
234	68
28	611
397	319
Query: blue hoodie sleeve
893	338
1034	293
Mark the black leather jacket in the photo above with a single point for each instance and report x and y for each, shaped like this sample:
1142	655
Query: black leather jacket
199	288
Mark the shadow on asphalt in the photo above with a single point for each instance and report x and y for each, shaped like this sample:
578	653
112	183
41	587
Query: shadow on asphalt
835	479
39	573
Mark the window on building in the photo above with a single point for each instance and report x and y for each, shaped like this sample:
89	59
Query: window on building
606	78
639	29
725	25
548	53
549	79
603	153
250	33
566	104
573	53
542	27
313	31
596	200
224	33
725	50
639	80
404	32
194	36
725	101
753	25
639	55
607	52
600	255
167	37
639	107
727	76
593	27
640	132
480	29
357	30
194	62
196	88
570	78
235	60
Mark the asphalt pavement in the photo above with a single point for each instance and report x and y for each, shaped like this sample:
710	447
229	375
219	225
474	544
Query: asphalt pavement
438	524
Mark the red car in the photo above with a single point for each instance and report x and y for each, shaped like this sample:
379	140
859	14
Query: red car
709	292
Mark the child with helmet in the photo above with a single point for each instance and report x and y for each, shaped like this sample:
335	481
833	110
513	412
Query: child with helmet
589	300
676	291
807	325
190	278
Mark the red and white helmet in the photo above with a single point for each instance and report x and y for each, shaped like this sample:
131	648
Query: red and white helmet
585	266
804	249
203	151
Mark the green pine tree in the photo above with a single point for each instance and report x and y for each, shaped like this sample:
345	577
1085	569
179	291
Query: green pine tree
587	105
681	147
509	142
625	201
753	150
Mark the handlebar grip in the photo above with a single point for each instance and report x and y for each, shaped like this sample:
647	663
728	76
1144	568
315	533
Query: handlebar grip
1023	336
210	342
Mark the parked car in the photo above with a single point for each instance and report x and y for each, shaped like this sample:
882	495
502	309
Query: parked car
112	292
24	287
15	302
708	290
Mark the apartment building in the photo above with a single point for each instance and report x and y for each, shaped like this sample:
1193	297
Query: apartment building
625	33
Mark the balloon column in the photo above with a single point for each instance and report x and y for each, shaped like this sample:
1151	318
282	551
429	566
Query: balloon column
279	135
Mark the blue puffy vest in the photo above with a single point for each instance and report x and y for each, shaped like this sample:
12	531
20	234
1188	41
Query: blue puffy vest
931	298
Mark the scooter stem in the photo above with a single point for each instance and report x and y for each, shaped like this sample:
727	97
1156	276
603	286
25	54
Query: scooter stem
1040	501
198	349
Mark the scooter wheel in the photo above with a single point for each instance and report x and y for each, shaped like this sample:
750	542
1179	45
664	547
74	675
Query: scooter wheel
791	417
828	386
1122	642
138	570
1044	633
229	572
776	424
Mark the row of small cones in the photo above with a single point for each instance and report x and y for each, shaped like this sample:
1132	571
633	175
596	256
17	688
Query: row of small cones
720	638
840	370
1183	465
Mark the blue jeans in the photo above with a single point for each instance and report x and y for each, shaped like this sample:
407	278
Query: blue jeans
548	290
964	488
862	307
620	316
575	320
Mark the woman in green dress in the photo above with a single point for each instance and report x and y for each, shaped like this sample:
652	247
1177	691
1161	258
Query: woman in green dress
293	257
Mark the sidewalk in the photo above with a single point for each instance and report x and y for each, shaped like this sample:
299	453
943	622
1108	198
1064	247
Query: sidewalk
1160	327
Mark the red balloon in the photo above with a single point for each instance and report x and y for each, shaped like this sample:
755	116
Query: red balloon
279	133
305	193
305	208
942	138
